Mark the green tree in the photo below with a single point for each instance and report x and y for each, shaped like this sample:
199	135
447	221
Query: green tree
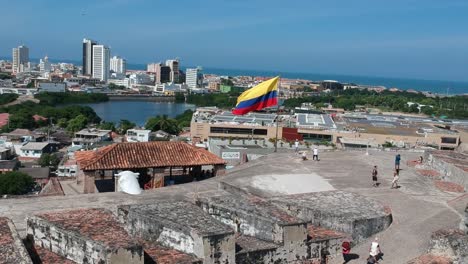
77	123
183	120
163	123
21	120
107	126
16	183
125	125
7	98
62	122
49	160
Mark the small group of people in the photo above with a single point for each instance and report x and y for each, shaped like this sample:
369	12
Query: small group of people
396	174
375	254
304	153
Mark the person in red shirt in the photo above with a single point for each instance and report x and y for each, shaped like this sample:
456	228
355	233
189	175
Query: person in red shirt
346	248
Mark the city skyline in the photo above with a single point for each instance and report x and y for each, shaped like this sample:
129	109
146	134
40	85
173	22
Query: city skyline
400	39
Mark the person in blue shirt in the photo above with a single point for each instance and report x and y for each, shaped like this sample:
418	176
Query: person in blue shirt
397	162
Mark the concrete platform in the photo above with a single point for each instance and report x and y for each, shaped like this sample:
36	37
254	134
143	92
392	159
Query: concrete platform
182	226
347	212
418	207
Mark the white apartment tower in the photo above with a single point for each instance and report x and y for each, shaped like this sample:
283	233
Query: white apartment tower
193	77
174	65
20	58
44	65
118	65
101	62
88	56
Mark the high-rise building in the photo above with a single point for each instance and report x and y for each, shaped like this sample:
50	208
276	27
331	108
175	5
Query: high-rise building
174	65
101	62
162	72
44	65
118	65
20	58
88	56
152	67
193	77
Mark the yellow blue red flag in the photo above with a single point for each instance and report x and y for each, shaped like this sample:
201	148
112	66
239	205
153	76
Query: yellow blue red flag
256	98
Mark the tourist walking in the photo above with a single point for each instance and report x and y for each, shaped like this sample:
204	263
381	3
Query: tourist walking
374	177
397	161
374	251
296	146
396	177
315	156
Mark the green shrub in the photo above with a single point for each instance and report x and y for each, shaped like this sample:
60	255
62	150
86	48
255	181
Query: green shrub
15	183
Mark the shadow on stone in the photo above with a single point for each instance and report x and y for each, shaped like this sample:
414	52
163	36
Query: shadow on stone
351	256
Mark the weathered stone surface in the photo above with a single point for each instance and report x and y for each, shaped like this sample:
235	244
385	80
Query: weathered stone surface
85	236
257	217
323	242
450	243
182	226
430	259
253	250
347	212
12	249
453	166
158	254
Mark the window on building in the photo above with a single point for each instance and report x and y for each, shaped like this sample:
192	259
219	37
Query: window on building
449	140
244	131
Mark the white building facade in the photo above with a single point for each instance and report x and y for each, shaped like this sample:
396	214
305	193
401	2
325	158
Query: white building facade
44	65
138	135
193	77
118	65
101	62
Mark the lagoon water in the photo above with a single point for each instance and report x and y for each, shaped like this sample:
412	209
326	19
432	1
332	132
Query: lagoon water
137	111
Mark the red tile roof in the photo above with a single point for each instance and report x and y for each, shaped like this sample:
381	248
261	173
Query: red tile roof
164	255
4	117
96	224
317	233
145	155
38	118
48	257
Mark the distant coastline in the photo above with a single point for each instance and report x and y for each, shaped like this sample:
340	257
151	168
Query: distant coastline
434	86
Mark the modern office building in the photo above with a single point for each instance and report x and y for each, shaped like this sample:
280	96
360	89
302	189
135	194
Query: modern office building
174	65
193	77
88	56
20	58
118	64
101	62
161	71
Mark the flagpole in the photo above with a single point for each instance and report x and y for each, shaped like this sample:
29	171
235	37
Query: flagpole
277	116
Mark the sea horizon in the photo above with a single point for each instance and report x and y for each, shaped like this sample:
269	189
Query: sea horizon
444	87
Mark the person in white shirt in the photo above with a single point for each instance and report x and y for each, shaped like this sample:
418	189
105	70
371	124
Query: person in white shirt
375	250
296	146
315	156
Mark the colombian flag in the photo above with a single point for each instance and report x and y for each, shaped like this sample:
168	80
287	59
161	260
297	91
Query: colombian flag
258	97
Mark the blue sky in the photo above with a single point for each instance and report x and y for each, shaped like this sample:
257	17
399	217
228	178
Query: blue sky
425	39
